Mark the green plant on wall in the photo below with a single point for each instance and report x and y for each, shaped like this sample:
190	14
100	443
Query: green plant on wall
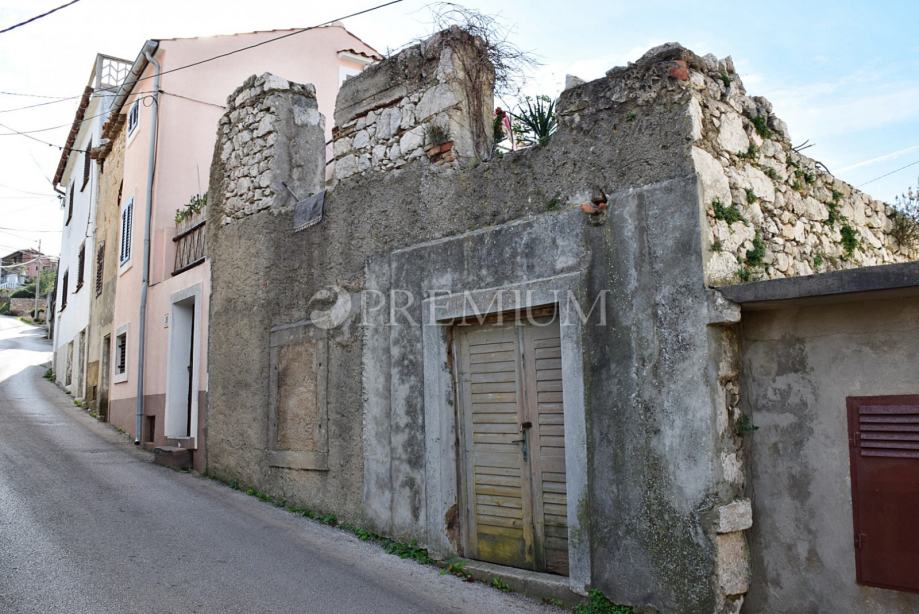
195	205
729	213
757	253
905	219
761	123
849	239
437	135
536	120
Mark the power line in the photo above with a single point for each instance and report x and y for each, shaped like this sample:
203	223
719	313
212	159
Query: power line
34	95
270	40
902	168
37	17
222	55
4	229
9	187
38	140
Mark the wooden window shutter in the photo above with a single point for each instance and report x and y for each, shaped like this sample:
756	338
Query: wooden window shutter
884	464
100	263
87	164
81	265
70	205
64	293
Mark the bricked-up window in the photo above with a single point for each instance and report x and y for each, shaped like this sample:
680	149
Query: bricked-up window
100	264
121	353
64	282
884	463
87	164
81	266
70	205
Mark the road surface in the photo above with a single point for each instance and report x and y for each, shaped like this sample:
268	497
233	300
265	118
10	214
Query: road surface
89	524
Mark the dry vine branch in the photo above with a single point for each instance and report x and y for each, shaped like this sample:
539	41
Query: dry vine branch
511	63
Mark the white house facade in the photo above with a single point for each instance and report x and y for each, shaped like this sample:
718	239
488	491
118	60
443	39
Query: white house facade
77	181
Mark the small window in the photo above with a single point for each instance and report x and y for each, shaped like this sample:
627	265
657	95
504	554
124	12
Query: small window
100	264
133	117
81	265
64	282
69	205
87	164
121	356
127	231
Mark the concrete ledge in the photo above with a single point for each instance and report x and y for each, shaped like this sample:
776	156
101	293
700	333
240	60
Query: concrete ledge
172	457
850	281
530	583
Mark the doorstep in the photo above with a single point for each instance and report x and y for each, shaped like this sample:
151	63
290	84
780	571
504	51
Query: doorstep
524	581
172	457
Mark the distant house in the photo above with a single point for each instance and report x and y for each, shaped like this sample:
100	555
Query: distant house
77	177
169	115
22	266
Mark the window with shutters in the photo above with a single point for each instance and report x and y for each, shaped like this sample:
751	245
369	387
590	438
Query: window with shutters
100	265
133	118
120	365
81	266
64	293
87	164
884	464
69	205
127	231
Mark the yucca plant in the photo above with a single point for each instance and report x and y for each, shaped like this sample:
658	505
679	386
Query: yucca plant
536	120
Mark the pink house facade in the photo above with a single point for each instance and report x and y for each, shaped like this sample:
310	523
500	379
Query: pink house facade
159	368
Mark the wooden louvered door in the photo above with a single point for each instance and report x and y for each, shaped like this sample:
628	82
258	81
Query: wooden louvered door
513	452
884	461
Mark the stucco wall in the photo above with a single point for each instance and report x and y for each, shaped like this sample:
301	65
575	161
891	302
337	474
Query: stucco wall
799	365
76	232
614	200
187	131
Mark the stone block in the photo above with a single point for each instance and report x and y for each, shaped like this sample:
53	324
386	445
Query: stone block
735	516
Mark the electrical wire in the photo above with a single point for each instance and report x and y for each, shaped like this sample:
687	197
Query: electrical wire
902	168
27	134
35	95
217	57
6	229
37	17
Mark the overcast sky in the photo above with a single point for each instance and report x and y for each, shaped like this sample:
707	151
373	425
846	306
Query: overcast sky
842	74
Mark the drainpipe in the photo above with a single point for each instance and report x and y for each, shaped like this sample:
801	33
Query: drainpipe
145	272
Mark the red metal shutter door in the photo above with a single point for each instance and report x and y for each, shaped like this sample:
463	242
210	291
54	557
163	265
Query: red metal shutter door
884	456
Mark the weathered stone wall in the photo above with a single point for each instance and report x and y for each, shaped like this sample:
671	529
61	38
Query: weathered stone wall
102	305
612	205
257	163
433	99
773	212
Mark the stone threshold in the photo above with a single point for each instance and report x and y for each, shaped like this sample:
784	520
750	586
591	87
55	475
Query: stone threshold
533	584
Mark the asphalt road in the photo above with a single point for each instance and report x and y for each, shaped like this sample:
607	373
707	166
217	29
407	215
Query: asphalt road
89	524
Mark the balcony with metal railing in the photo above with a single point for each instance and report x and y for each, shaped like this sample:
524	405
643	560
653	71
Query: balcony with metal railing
110	72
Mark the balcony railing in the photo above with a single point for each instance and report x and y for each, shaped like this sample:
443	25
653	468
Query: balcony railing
189	240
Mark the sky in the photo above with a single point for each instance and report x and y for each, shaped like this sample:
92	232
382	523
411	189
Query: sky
842	74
